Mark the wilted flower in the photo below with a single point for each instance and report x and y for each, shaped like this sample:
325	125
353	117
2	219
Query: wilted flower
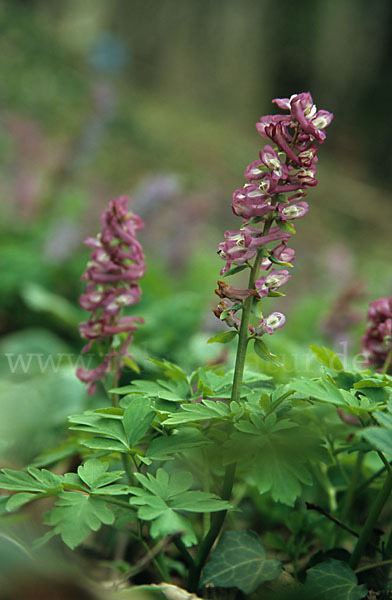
116	263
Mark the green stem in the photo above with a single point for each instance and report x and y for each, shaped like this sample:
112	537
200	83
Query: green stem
219	517
184	552
387	362
361	488
216	524
374	513
125	459
243	333
348	499
148	550
387	555
112	500
382	563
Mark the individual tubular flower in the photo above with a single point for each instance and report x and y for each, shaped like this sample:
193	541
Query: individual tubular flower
377	341
273	195
116	264
275	320
271	282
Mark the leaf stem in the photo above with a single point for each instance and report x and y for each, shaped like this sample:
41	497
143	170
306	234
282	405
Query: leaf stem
177	541
348	499
374	513
112	500
243	333
243	339
216	524
387	362
125	459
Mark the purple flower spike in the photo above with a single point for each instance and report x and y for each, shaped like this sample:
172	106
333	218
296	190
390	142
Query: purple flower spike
116	263
277	184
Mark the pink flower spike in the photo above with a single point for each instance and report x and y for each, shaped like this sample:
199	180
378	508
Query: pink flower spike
116	263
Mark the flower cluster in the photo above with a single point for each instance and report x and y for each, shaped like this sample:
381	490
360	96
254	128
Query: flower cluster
272	197
116	263
377	341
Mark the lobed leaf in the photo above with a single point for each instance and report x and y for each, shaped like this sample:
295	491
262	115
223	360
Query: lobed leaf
75	515
137	420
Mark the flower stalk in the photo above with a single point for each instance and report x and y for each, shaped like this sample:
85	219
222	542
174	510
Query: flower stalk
272	197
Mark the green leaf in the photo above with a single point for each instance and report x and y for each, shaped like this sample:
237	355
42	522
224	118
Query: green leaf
286	226
229	310
110	412
239	560
202	411
54	455
137	419
286	454
327	358
262	351
235	270
151	389
16	501
164	495
170	370
131	364
75	515
323	390
99	424
93	473
197	501
117	489
35	480
48	480
163	447
172	522
274	294
383	419
105	444
333	580
379	438
223	338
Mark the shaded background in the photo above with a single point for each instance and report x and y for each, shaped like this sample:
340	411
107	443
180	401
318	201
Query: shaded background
158	100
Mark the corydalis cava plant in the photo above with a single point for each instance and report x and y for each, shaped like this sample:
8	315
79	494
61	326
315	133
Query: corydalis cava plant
116	264
267	203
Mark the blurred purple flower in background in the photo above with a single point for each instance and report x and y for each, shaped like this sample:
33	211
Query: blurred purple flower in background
377	341
116	263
